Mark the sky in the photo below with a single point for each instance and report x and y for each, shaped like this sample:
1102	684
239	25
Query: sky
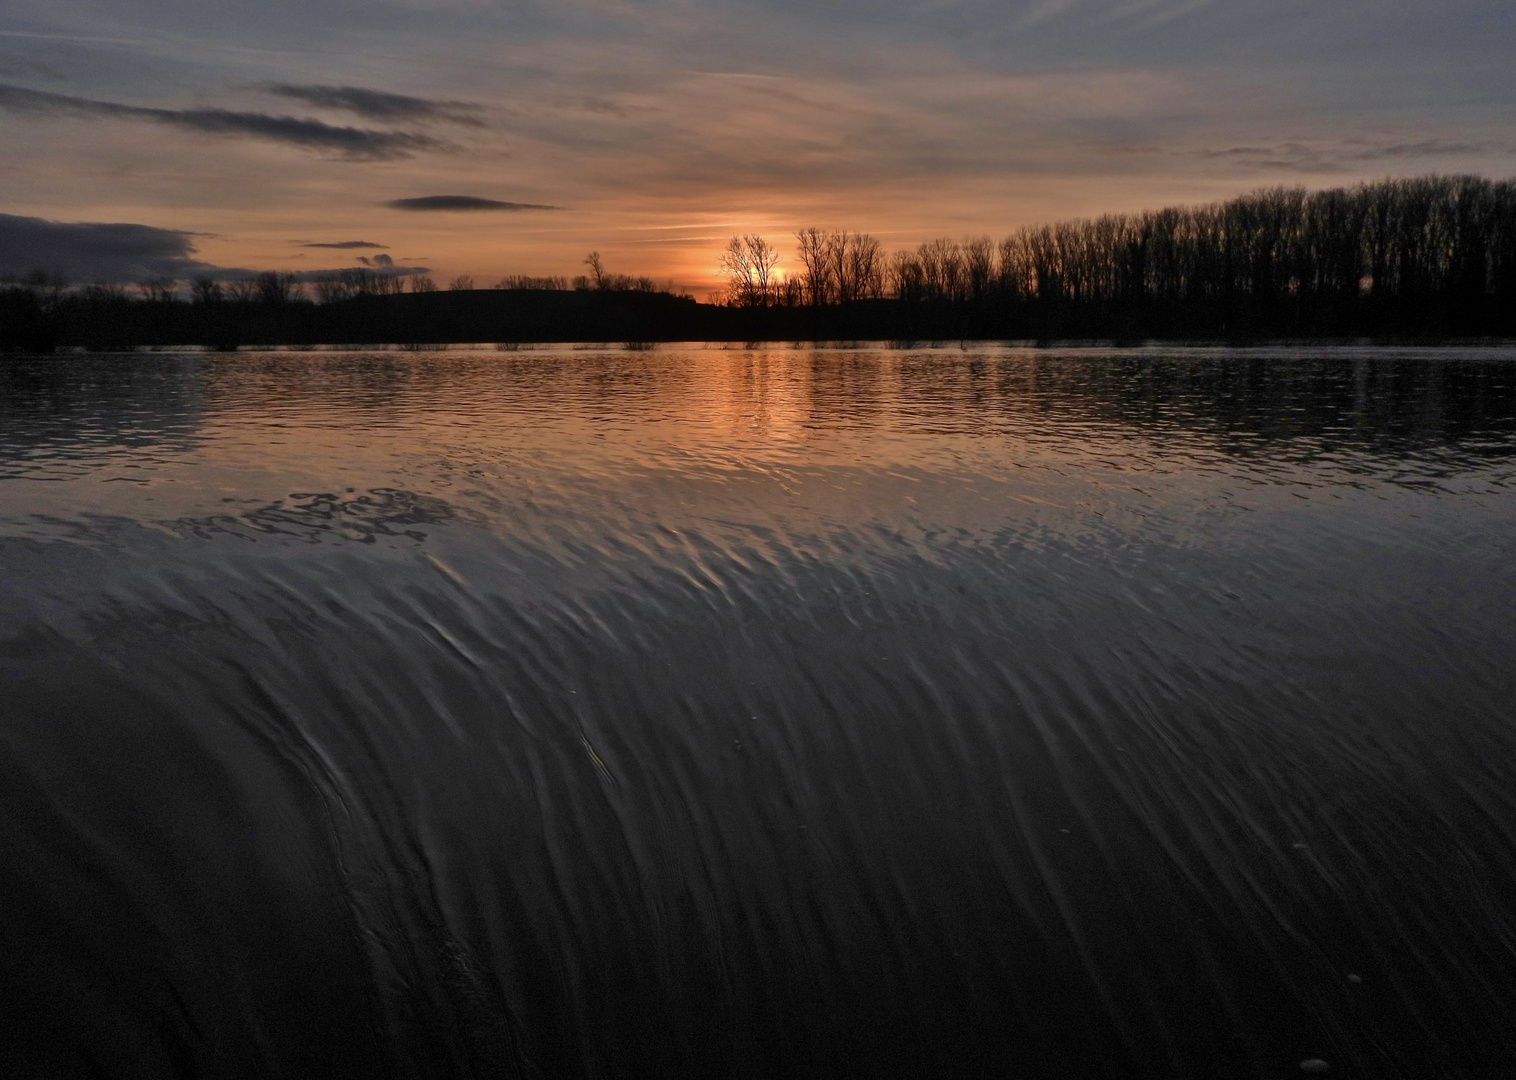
493	137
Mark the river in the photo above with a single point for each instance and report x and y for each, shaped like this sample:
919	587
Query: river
766	712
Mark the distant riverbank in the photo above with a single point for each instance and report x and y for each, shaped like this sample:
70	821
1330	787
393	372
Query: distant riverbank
541	316
1496	348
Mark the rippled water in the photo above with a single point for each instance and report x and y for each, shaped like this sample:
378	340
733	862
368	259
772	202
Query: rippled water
759	713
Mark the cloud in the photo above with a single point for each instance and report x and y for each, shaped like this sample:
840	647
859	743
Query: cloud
345	245
1315	155
87	251
462	202
351	273
95	251
355	144
380	105
23	66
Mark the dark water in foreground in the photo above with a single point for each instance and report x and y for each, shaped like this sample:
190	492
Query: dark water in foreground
791	713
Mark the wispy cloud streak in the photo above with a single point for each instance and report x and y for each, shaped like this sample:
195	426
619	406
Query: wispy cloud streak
354	144
379	105
462	202
1340	155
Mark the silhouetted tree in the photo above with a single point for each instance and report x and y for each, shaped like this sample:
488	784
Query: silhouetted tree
276	289
979	265
907	281
813	248
748	263
158	290
860	267
206	290
522	281
838	266
597	269
242	290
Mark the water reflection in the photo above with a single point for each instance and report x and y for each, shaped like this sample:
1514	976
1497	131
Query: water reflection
55	415
759	713
1074	424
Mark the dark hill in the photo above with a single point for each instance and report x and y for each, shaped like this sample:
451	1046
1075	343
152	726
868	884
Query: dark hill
534	315
525	315
32	322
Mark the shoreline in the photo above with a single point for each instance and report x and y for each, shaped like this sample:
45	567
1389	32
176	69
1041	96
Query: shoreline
1377	345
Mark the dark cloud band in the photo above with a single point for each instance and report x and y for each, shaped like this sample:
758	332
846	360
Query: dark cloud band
379	105
95	251
462	202
346	245
356	144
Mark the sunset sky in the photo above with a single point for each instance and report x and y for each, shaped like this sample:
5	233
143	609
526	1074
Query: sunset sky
290	134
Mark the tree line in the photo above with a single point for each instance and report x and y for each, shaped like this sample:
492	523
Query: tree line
41	311
1430	255
1409	258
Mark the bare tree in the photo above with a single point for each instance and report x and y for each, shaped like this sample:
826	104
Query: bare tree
523	281
814	248
597	268
763	258
159	290
331	288
276	289
749	263
942	270
839	266
979	264
242	290
907	279
388	284
105	292
206	290
461	283
860	267
422	283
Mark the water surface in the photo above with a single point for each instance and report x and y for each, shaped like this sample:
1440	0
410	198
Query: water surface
791	712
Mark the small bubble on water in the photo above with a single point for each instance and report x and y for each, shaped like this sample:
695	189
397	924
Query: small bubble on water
1314	1065
1355	978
